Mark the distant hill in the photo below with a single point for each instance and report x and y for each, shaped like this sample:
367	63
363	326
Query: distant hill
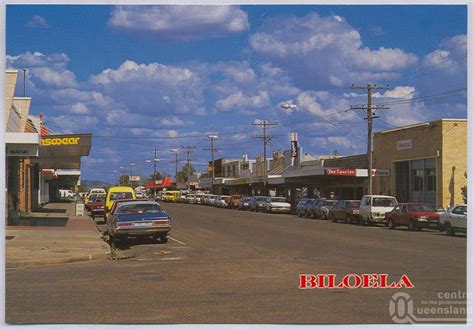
88	184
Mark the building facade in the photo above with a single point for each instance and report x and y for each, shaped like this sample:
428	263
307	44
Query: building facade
425	162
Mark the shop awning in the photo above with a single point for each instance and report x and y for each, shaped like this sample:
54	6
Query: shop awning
64	151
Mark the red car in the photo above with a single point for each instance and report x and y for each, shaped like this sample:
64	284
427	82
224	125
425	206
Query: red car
414	215
97	206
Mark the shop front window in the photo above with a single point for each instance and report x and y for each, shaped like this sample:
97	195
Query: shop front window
417	179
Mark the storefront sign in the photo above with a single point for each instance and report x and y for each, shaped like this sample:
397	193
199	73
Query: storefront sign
60	141
404	145
340	171
134	178
20	150
294	144
383	172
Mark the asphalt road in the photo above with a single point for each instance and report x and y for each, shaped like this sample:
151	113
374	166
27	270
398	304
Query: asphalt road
228	266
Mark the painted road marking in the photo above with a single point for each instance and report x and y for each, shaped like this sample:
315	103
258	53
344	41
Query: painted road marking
181	242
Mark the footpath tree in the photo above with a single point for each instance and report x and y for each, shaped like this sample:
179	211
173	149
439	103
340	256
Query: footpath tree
124	180
183	174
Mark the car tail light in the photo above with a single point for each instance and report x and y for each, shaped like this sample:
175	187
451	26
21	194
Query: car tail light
124	224
161	221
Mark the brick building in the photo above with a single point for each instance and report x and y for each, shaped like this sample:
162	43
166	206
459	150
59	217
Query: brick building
425	162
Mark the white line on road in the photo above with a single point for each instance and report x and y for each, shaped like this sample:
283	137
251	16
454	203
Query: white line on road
181	242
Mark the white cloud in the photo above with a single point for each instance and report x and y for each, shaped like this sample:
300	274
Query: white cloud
326	49
168	89
190	22
37	21
174	121
401	92
244	103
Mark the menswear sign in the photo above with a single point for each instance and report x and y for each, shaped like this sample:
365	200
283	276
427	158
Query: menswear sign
60	141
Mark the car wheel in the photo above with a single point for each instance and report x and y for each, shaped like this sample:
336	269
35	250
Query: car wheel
412	225
391	224
449	230
348	219
163	239
368	222
299	214
333	218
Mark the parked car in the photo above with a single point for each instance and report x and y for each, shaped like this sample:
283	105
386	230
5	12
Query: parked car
374	207
277	204
98	206
222	201
345	210
454	220
303	206
320	208
171	196
234	201
198	198
94	191
138	218
140	195
190	198
244	203
413	215
257	203
211	199
115	193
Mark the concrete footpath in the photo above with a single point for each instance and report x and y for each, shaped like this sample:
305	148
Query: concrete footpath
53	235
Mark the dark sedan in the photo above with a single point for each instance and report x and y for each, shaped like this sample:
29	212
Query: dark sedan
345	210
138	218
304	206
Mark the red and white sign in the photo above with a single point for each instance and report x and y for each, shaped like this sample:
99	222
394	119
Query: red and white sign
340	171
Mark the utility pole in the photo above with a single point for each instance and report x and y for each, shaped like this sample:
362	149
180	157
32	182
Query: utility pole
265	138
175	151
212	138
370	116
122	182
154	175
131	174
188	163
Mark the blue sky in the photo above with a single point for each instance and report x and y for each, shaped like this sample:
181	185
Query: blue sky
140	77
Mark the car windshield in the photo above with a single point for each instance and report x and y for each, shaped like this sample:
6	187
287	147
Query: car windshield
421	208
353	204
139	208
225	197
100	199
277	200
120	195
383	202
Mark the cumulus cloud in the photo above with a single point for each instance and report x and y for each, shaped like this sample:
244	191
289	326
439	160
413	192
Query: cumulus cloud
37	22
244	103
190	22
47	70
168	89
326	49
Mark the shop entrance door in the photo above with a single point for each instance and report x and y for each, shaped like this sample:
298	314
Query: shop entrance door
402	181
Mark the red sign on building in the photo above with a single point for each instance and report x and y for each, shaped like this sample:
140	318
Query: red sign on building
340	171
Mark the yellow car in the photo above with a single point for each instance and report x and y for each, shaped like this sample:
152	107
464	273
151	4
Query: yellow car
171	196
117	193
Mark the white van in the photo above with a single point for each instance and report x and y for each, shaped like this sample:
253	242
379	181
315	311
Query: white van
373	208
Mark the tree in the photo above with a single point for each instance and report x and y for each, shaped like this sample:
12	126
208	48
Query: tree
158	176
124	180
183	174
